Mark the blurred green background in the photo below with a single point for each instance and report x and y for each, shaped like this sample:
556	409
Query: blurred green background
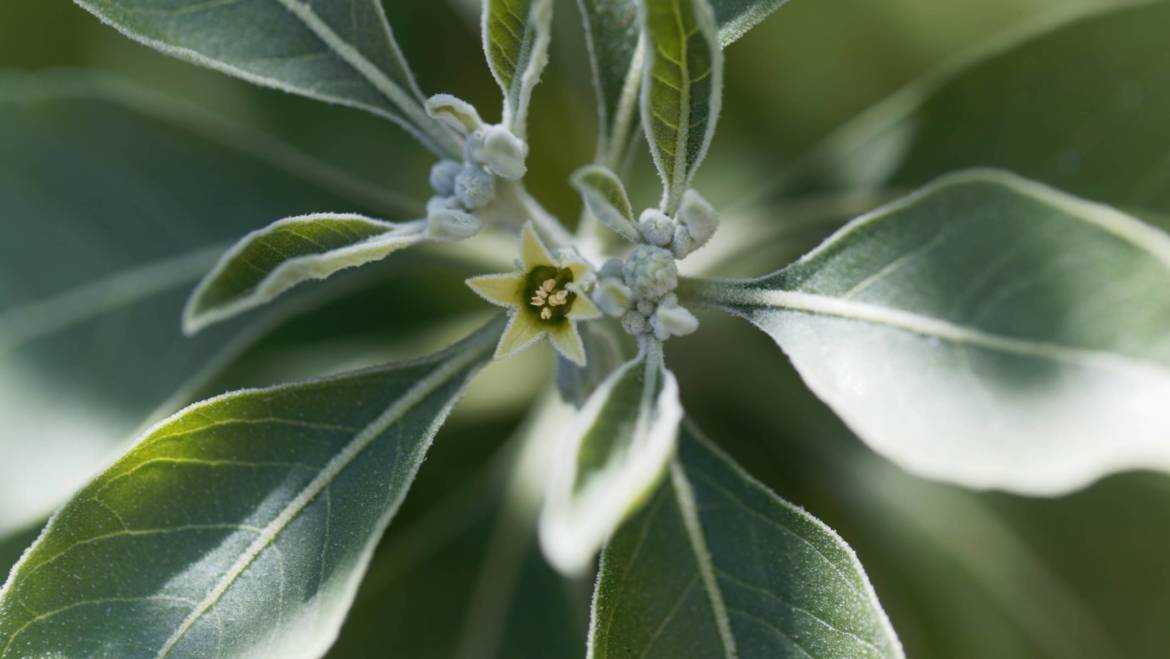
962	575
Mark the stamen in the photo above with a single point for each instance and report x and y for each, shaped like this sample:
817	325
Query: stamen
545	313
558	298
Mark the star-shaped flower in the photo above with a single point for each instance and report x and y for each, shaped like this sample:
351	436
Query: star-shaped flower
544	298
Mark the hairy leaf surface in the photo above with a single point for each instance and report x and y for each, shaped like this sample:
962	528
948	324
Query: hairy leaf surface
340	51
682	89
269	261
606	198
986	330
611	457
241	525
716	565
516	35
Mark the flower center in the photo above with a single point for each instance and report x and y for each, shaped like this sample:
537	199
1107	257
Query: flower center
547	293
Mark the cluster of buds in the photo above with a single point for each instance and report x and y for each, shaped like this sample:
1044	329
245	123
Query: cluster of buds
640	290
690	228
490	152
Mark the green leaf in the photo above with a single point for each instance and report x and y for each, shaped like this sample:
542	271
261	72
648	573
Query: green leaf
516	35
716	565
986	330
606	198
612	456
124	201
1045	105
682	89
612	33
241	525
736	17
339	51
269	261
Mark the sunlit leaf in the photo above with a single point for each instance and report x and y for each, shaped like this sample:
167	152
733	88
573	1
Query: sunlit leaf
269	261
516	35
340	51
985	330
716	565
736	17
611	458
682	89
241	525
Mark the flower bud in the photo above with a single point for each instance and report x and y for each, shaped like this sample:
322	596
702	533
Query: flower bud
650	272
682	244
453	112
656	227
451	224
474	187
673	320
699	217
613	297
634	323
502	153
443	175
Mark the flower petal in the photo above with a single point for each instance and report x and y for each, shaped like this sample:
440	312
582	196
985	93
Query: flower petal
583	308
522	332
532	249
567	341
505	289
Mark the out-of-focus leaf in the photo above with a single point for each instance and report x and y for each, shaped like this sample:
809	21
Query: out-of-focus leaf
241	525
1079	107
682	89
134	197
339	51
986	330
605	353
612	31
516	35
466	579
611	458
269	261
716	565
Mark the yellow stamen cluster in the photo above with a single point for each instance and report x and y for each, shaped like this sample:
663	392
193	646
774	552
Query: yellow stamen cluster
547	296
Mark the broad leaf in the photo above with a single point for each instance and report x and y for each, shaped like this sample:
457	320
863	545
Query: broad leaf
269	261
516	35
716	565
611	458
612	32
339	51
682	89
606	198
1052	107
116	202
985	330
241	525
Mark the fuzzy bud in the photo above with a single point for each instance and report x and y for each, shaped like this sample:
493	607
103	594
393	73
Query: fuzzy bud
474	187
443	175
699	217
613	297
682	244
656	227
672	320
451	224
650	272
634	323
502	153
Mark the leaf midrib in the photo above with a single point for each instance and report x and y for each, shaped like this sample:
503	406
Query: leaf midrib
329	473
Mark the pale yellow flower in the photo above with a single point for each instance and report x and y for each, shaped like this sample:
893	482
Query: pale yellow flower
544	298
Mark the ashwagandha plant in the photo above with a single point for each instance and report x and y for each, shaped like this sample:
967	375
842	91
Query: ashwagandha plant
984	329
